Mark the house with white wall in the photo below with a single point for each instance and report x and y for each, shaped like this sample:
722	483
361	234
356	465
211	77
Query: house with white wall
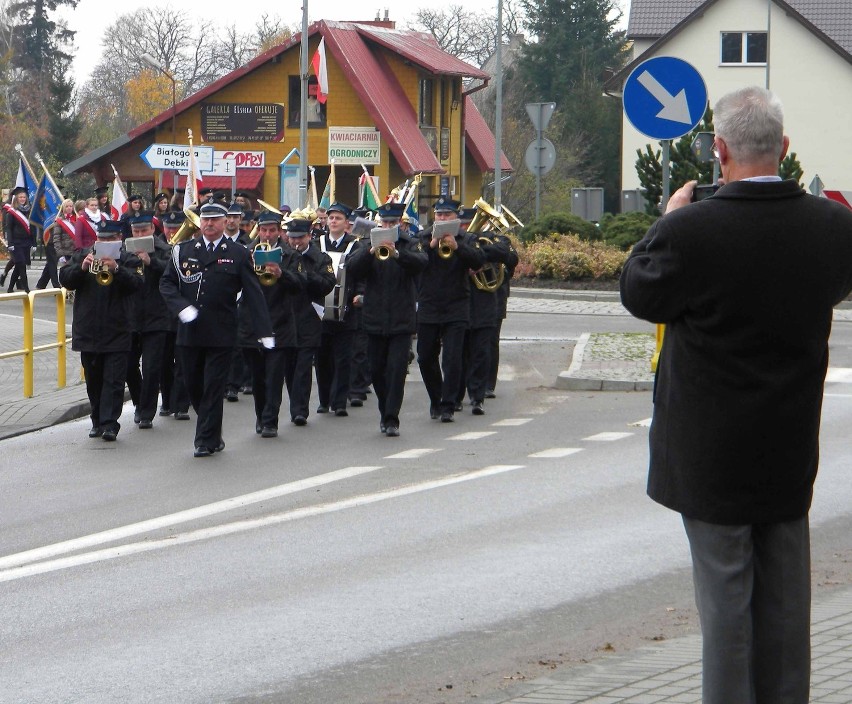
799	49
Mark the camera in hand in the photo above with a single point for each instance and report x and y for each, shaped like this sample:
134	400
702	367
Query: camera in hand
704	190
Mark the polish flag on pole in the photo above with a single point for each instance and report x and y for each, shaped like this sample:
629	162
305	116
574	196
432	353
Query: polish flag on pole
321	71
193	179
119	199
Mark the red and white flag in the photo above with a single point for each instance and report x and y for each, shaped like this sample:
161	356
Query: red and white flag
119	199
193	182
321	71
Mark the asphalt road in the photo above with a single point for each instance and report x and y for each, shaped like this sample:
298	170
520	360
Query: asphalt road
334	564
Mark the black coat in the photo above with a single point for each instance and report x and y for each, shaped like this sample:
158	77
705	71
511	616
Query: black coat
745	282
390	291
319	280
150	312
350	319
19	238
443	294
485	305
211	282
102	314
279	301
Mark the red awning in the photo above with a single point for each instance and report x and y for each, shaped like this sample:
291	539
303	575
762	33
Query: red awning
247	180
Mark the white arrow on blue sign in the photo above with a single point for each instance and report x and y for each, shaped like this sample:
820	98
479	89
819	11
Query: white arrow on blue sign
176	156
665	97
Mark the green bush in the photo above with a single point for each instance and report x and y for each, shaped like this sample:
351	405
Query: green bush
567	257
626	229
560	223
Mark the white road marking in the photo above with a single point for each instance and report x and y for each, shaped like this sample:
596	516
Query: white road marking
838	395
644	423
554	452
412	454
839	375
107	536
510	421
249	524
608	437
473	435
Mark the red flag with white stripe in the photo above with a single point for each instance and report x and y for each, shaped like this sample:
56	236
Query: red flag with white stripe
842	197
119	199
321	71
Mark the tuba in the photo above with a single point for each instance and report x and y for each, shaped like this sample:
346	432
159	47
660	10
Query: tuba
488	219
191	225
266	278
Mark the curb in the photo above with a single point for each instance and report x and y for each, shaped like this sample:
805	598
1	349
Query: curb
573	379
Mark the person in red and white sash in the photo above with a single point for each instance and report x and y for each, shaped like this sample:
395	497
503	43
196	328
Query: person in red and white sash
64	242
88	221
19	238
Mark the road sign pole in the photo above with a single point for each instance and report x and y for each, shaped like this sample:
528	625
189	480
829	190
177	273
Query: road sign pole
538	136
667	143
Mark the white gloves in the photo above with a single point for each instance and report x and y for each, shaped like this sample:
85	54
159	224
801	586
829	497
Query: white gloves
268	342
188	314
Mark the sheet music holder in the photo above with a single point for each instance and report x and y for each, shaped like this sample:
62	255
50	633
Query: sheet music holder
445	228
383	234
140	244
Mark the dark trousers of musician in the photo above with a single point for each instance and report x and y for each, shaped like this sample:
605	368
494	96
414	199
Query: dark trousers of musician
144	382
205	371
167	372
105	374
334	359
388	355
239	374
442	379
359	368
49	274
298	367
267	377
179	397
478	350
494	362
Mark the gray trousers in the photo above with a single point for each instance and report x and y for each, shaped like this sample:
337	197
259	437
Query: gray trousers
753	592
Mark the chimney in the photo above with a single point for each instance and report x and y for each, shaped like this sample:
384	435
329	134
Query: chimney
378	15
387	14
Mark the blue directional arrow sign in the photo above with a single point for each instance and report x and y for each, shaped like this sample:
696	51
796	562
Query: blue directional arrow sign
665	97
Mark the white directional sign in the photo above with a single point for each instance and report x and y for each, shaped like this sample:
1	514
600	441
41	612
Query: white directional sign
176	156
221	167
665	97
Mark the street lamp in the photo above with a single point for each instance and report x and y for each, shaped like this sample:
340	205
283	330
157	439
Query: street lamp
154	63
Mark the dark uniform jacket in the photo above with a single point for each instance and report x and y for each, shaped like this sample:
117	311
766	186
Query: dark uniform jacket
18	236
279	301
102	314
350	320
210	281
150	312
390	291
319	280
444	288
745	282
485	305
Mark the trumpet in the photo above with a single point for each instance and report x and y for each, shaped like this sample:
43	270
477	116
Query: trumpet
266	278
102	274
383	253
444	250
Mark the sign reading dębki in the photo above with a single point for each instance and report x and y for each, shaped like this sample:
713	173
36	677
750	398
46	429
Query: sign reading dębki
176	156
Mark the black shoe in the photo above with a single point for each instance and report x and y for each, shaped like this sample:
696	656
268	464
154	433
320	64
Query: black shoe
110	435
447	417
356	403
434	412
269	432
220	446
392	431
145	425
478	410
459	407
322	409
231	395
136	417
181	415
300	420
165	411
489	393
383	427
258	428
341	413
248	390
202	451
95	432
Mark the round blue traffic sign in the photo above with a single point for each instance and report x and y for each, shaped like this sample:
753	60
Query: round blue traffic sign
665	97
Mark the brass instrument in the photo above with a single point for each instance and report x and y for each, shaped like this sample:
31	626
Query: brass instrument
490	277
187	230
444	250
383	253
265	206
487	219
101	273
266	278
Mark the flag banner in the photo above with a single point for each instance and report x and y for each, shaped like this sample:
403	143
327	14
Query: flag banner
328	192
193	181
321	71
27	179
46	204
119	199
367	192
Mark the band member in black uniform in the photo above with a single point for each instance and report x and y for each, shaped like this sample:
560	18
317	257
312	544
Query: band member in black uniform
502	305
280	283
333	362
239	375
173	388
389	316
443	311
102	326
200	287
19	238
307	309
151	324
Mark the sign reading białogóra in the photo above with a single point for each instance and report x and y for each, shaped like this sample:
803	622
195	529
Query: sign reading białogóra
354	145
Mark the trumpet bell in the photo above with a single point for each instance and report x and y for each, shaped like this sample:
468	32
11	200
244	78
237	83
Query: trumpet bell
383	253
445	251
266	278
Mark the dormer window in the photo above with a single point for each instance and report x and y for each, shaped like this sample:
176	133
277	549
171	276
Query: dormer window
743	48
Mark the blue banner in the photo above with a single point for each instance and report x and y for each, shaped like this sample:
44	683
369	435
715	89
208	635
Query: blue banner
46	204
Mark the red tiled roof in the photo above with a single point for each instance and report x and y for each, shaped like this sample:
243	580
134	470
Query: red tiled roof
480	140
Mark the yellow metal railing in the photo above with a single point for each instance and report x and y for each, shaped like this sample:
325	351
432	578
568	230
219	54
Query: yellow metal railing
29	349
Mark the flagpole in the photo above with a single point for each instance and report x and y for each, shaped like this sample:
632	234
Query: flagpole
20	151
49	177
314	186
303	108
370	184
118	180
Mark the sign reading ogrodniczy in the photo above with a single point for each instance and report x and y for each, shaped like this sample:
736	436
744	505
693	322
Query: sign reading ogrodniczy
242	122
354	145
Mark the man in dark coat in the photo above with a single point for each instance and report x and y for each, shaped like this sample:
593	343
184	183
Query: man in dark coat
745	282
388	316
307	309
443	311
102	327
200	287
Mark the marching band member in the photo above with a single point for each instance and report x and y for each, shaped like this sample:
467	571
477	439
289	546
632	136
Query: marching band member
268	366
175	397
239	374
388	315
101	328
201	288
19	238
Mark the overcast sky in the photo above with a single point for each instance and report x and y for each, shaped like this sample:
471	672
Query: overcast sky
90	17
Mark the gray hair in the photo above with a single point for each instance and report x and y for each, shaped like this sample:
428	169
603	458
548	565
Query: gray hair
751	121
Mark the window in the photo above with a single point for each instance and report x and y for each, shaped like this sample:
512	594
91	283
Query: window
316	109
743	48
427	102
